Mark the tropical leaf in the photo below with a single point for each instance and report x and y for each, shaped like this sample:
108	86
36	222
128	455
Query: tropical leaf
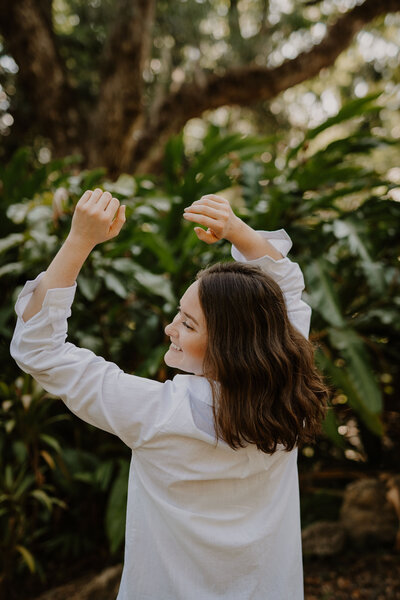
116	508
321	293
43	498
352	109
351	230
358	368
27	557
341	380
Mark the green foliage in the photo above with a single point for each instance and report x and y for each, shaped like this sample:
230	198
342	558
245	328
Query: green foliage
55	471
29	450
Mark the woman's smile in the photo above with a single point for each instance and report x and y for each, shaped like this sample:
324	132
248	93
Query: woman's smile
175	347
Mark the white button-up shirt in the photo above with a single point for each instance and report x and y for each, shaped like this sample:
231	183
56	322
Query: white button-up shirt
204	522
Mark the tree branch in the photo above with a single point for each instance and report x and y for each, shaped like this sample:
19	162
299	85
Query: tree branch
244	86
120	105
26	28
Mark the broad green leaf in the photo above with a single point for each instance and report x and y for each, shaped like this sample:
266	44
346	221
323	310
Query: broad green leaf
51	441
27	557
104	473
115	285
374	272
358	367
321	294
89	286
14	268
340	378
156	284
116	509
43	498
151	365
85	477
125	185
159	247
24	482
10	241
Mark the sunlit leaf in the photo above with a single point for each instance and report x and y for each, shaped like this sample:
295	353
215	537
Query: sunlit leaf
351	109
27	557
11	240
321	293
43	498
339	377
89	286
358	367
51	441
115	285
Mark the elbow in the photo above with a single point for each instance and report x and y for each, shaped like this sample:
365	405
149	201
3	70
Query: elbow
32	360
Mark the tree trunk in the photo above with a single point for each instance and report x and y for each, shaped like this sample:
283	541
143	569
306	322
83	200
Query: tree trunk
26	27
119	116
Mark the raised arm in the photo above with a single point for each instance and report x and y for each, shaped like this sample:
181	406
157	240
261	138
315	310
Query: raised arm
97	391
265	249
98	217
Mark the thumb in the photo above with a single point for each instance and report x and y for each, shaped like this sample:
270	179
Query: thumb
118	222
205	236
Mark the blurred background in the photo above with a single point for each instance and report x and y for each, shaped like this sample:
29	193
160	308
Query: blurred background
291	111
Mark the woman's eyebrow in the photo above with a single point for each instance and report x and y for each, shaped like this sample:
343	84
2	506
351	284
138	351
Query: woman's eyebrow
189	316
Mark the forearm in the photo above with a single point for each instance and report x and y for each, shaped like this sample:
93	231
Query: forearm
62	272
97	217
250	243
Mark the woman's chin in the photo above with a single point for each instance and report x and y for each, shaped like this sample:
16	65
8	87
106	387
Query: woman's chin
170	359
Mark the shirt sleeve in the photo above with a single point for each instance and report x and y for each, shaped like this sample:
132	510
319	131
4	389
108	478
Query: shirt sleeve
287	274
99	392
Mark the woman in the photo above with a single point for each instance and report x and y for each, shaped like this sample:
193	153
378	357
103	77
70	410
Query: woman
213	506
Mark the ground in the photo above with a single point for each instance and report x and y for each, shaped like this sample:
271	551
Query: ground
351	576
367	576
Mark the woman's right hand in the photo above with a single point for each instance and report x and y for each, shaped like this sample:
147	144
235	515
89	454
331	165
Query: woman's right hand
98	217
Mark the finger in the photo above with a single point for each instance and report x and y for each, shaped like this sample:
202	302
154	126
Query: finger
95	196
118	222
215	198
201	219
112	208
103	201
205	201
84	198
205	236
201	209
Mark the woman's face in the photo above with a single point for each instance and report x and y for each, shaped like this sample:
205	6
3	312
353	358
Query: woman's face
188	334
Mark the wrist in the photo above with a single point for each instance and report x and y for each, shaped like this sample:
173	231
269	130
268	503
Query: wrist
78	245
239	232
251	244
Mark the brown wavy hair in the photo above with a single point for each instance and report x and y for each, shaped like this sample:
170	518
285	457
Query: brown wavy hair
266	387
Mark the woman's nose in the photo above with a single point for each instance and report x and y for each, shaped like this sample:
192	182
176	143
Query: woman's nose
169	330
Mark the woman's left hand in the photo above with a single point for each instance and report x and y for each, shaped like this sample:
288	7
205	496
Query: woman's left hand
215	213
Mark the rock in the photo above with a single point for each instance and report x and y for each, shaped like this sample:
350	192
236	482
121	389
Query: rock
323	538
366	514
